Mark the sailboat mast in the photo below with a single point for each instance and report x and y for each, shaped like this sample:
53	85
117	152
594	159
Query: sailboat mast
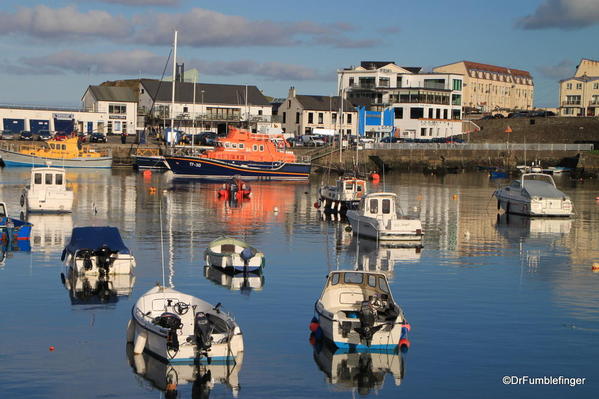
173	90
340	126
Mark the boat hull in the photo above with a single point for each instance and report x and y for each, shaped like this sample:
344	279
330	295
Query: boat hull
12	158
150	162
371	228
61	202
519	206
216	169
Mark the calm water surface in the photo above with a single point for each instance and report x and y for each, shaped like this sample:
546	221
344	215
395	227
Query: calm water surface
486	297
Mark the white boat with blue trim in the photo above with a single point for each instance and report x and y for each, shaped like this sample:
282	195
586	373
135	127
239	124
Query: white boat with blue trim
180	328
357	311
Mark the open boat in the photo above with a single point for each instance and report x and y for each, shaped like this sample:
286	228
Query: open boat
377	218
357	311
534	194
11	228
344	195
98	250
233	256
180	328
169	377
249	155
67	153
47	192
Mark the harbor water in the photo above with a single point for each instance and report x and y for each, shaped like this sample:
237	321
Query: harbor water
487	296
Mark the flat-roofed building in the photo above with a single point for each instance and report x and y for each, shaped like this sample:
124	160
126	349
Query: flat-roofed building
119	104
579	94
489	88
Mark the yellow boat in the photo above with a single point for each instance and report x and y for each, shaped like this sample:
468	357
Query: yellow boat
67	153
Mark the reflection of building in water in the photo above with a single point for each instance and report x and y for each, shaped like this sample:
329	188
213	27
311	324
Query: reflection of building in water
50	233
364	372
92	290
244	282
169	377
384	256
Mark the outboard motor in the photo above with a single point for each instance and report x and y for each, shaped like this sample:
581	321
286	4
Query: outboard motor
367	318
203	331
103	259
86	254
172	322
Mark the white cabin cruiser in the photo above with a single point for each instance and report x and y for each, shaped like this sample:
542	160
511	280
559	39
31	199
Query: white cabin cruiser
534	194
180	328
98	250
356	311
233	256
47	192
363	371
169	377
378	218
344	195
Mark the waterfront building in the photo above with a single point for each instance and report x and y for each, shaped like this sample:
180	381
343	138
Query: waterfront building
424	105
489	88
579	94
117	104
18	118
307	114
203	106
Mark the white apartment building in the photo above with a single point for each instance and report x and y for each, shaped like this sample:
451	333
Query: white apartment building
117	104
306	114
579	95
425	105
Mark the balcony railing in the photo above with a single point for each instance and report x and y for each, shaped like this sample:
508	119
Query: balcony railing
570	103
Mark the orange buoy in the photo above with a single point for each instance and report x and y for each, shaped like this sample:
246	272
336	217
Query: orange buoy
147	173
51	348
455	197
595	267
375	177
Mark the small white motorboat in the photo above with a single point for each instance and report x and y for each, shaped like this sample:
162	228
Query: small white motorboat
363	371
534	194
356	311
168	377
244	282
98	250
180	328
96	289
378	218
344	195
47	192
233	256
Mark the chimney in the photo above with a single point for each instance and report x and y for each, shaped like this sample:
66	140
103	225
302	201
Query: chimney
292	92
180	72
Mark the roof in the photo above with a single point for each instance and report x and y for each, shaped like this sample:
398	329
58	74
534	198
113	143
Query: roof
375	64
95	237
493	68
323	103
113	93
213	93
583	79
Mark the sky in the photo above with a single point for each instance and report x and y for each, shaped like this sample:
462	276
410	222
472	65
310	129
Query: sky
51	51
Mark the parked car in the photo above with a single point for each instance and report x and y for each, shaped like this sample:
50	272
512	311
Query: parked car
8	135
26	135
44	135
291	141
390	139
97	138
312	141
208	138
82	136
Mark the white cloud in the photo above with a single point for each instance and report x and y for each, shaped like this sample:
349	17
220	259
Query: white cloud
44	22
562	14
136	62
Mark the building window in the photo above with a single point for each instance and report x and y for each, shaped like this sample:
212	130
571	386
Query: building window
438	113
456	99
595	86
348	118
117	109
416	113
422	132
430	113
351	82
457	84
109	126
348	132
384	82
288	103
334	118
310	117
259	112
569	86
572	100
185	109
578	86
445	113
455	114
284	117
297	117
398	113
320	117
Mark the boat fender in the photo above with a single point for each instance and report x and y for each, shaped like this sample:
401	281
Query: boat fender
130	331
140	342
404	344
407	326
22	200
339	206
316	205
314	324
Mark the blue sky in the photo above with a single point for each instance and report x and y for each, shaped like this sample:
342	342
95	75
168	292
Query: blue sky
49	54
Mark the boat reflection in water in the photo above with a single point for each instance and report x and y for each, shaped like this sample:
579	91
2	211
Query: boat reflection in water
96	289
382	258
520	227
244	282
169	377
49	232
361	371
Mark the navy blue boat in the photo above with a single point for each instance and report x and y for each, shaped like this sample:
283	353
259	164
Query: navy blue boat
244	154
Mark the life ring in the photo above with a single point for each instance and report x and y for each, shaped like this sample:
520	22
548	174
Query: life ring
22	199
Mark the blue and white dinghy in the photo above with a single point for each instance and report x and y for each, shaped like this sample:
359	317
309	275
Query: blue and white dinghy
98	250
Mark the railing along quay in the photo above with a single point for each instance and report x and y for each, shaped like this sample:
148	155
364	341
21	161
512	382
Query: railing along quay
480	146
